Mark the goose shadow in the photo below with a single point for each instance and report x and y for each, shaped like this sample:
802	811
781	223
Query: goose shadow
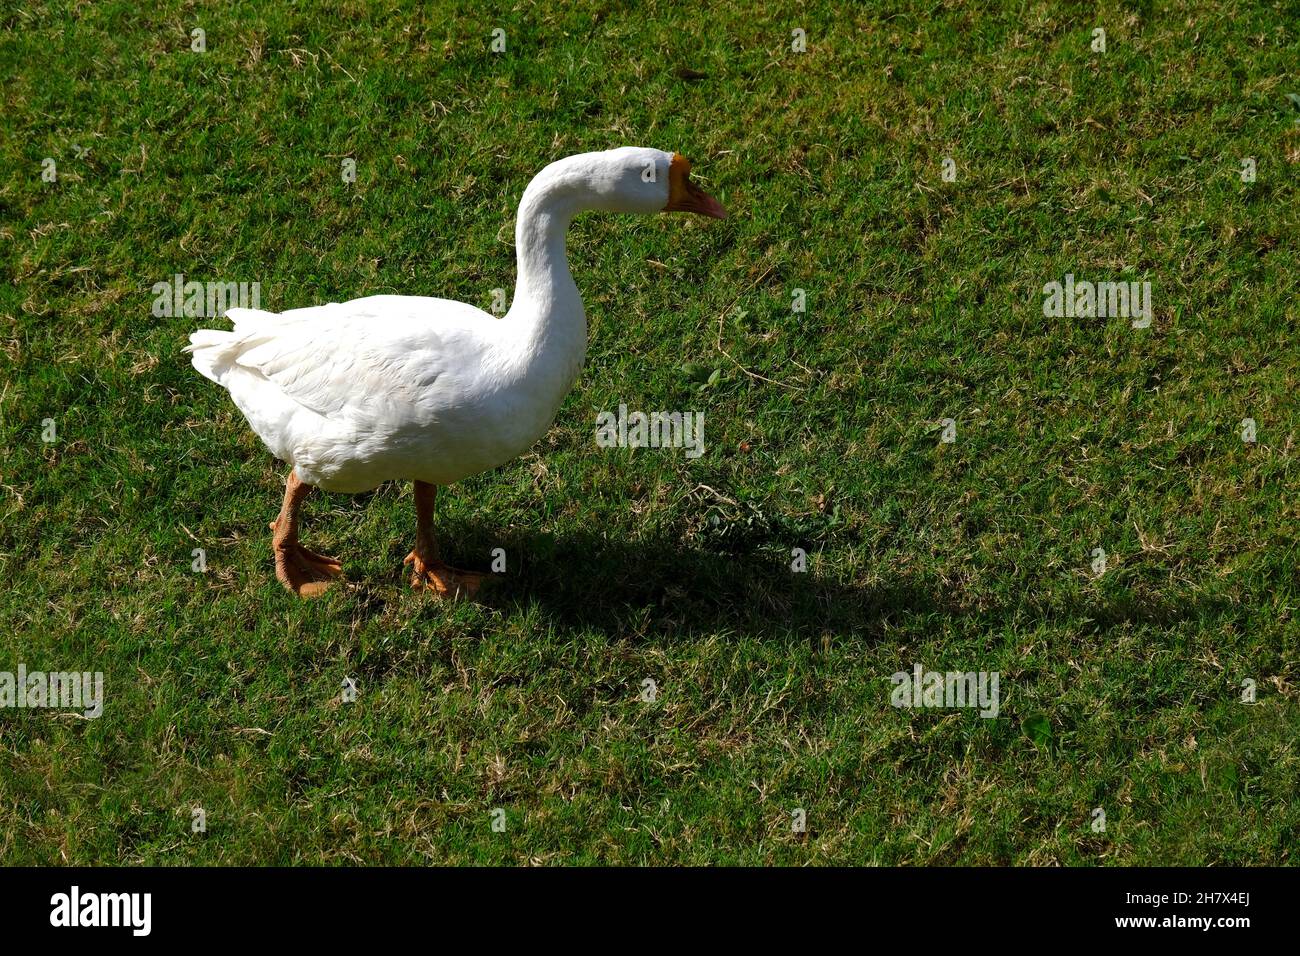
659	588
662	589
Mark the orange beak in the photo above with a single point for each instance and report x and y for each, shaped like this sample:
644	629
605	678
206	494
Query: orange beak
685	196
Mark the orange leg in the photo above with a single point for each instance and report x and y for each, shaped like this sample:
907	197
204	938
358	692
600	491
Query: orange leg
300	570
427	571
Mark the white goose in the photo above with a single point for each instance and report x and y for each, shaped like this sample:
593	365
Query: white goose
412	388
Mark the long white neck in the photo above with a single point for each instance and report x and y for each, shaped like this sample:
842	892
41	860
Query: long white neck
547	317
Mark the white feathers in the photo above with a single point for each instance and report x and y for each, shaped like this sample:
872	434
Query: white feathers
362	392
415	388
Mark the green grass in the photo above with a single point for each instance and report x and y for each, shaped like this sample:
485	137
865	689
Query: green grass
923	303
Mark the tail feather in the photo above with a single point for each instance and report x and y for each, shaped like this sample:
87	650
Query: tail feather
213	352
209	353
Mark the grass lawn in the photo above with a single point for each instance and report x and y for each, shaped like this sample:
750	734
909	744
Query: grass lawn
1120	690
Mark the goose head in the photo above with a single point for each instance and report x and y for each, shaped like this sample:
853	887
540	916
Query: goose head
632	179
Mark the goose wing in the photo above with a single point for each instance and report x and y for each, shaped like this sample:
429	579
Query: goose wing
332	358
